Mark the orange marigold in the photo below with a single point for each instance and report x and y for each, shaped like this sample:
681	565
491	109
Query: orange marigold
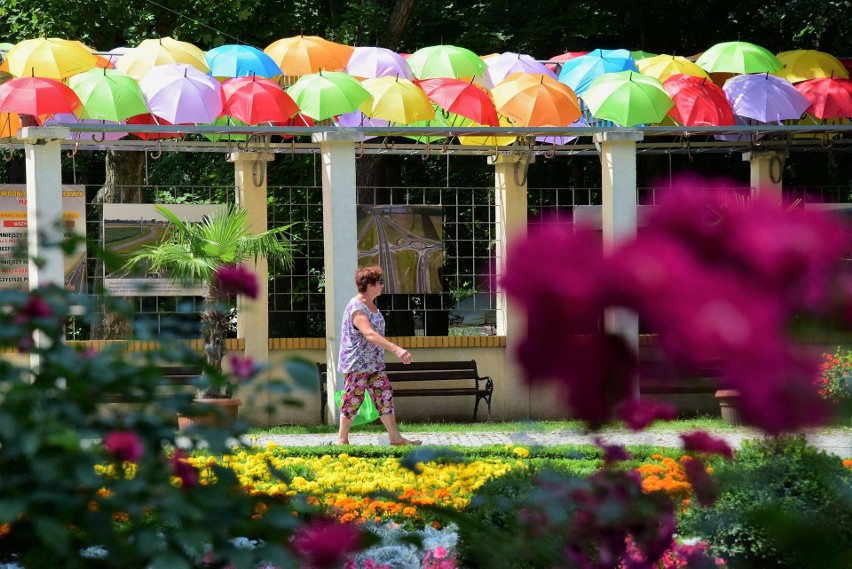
5	529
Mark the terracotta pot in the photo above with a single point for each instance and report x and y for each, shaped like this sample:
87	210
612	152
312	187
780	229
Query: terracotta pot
222	418
728	403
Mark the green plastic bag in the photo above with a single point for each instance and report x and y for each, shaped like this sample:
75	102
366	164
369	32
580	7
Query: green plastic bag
366	412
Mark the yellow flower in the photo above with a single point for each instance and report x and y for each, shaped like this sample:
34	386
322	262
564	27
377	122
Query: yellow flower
521	452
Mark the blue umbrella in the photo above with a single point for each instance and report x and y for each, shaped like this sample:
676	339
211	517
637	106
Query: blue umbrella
234	60
578	73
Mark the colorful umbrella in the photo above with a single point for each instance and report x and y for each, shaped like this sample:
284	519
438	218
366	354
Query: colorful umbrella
638	55
304	55
254	100
147	119
627	98
473	140
397	100
10	124
536	100
108	95
358	119
562	140
829	97
49	57
555	62
738	57
328	93
462	98
764	97
698	101
578	73
150	53
65	118
445	61
501	65
664	66
372	62
37	96
233	60
226	120
803	64
182	94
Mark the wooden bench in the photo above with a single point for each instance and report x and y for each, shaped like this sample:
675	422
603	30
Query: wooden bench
175	379
449	378
658	378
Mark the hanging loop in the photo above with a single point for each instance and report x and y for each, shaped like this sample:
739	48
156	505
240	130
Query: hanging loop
550	153
73	152
388	143
159	153
360	153
428	152
258	166
95	136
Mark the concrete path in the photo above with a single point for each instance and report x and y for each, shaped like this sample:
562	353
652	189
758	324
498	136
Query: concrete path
836	441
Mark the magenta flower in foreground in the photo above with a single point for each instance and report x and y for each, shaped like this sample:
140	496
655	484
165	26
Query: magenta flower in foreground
242	368
699	441
184	471
125	446
35	307
234	280
324	542
639	414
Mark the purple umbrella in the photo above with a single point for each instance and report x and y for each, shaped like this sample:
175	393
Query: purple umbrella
740	121
562	140
182	94
764	97
507	62
68	118
357	118
372	62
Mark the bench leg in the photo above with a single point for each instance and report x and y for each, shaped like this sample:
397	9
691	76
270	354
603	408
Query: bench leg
476	408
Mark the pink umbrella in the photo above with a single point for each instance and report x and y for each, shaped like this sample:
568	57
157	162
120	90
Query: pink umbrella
507	62
558	60
764	97
181	94
372	62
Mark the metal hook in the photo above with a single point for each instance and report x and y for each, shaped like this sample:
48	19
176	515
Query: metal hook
826	141
550	153
428	152
72	153
159	153
360	153
101	139
242	145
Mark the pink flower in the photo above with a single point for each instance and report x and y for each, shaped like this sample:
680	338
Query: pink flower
125	446
184	471
706	489
612	453
35	307
439	552
242	368
699	441
324	542
232	280
638	414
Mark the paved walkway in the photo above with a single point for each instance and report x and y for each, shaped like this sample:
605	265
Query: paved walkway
833	441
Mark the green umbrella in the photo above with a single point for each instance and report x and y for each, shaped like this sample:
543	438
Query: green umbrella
329	93
445	61
639	54
738	57
226	120
627	98
108	95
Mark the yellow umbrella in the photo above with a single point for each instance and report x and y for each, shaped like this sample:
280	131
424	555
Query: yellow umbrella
10	123
138	61
804	64
49	57
664	66
488	140
397	100
303	55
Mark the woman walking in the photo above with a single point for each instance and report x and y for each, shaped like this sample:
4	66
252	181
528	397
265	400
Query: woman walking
361	360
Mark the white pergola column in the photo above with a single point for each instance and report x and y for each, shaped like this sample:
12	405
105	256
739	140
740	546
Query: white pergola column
340	239
618	182
767	167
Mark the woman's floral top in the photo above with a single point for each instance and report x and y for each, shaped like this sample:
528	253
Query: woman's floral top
356	352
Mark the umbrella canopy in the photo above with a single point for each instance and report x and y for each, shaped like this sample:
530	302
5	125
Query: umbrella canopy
10	124
507	62
304	55
107	94
627	98
253	100
473	140
182	94
738	57
698	101
397	100
49	57
829	97
638	55
150	53
555	62
562	140
357	119
803	64
37	96
462	98
445	61
536	100
233	60
65	118
328	93
147	119
664	66
578	73
764	97
372	62
226	120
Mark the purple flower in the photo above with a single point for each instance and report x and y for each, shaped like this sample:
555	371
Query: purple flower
706	489
125	446
232	280
638	414
242	368
612	453
324	542
699	441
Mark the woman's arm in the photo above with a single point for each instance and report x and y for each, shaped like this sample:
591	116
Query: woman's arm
362	322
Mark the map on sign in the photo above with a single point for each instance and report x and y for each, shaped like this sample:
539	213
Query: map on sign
406	241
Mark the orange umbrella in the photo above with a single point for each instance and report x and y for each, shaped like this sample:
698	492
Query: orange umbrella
10	123
303	55
536	100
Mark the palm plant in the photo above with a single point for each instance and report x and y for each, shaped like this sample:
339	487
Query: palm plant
197	251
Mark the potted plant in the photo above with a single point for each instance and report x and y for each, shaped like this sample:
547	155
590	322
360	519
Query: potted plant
208	251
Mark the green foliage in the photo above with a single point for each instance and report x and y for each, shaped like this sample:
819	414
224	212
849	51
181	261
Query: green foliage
783	504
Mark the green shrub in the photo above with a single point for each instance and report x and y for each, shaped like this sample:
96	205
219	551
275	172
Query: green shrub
783	504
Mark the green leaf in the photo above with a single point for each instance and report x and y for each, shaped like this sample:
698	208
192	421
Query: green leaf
303	372
52	532
10	508
169	561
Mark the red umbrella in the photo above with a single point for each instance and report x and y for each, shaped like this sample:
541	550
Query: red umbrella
830	97
558	60
37	96
698	101
462	98
256	100
148	118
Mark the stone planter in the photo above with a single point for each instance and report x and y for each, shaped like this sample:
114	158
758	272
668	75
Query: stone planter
222	417
728	403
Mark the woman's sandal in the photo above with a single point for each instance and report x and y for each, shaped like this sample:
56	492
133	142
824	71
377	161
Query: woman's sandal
407	442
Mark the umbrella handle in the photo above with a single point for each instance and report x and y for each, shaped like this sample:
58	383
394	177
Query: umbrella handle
427	153
159	153
96	139
550	153
360	153
73	152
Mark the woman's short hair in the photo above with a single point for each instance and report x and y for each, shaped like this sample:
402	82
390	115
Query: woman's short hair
366	276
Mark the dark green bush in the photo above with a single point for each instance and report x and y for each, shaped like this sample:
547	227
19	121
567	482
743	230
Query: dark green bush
783	504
